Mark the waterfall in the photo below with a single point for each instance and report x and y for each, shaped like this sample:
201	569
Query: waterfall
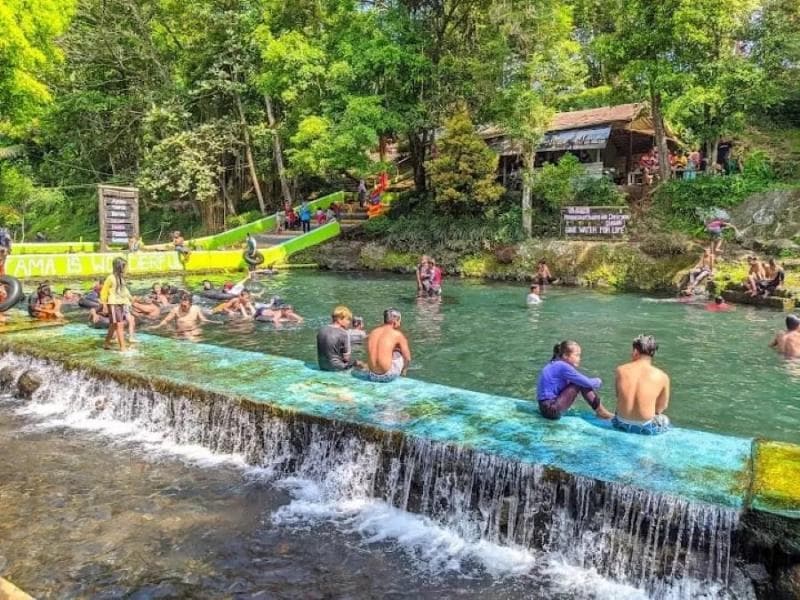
652	541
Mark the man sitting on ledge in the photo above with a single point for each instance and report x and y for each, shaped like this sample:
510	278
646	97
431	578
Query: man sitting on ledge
388	354
642	391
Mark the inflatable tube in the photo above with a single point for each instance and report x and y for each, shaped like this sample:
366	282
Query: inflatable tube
87	303
253	259
216	295
13	292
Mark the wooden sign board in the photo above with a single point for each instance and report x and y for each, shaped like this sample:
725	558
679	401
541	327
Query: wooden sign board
119	215
594	221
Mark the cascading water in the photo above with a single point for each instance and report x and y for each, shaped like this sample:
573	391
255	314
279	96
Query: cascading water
661	544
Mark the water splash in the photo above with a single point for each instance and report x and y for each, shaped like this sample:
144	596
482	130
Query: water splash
474	507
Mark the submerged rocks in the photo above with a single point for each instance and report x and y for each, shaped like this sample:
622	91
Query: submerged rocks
28	383
7	377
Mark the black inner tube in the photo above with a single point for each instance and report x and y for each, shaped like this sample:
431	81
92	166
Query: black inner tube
216	295
253	259
13	292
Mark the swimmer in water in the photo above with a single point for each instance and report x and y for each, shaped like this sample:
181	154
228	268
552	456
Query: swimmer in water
241	304
642	391
533	296
788	342
44	305
718	305
145	308
69	296
560	382
186	315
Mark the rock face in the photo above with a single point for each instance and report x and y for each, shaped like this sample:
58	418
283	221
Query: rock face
770	216
788	585
617	265
28	383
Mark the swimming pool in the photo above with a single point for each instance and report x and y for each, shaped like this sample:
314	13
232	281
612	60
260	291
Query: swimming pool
483	337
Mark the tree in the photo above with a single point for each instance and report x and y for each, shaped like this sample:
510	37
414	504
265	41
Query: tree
721	82
464	172
28	52
545	66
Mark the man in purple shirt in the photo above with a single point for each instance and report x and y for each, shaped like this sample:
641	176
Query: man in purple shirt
560	382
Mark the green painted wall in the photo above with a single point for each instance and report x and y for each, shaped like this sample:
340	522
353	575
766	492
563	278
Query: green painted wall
62	266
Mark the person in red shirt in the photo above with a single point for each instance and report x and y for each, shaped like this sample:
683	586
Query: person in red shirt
718	305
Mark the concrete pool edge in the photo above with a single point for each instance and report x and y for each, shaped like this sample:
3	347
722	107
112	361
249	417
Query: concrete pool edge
760	489
762	535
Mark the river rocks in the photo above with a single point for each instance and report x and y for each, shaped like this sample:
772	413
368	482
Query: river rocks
768	216
7	377
28	383
788	585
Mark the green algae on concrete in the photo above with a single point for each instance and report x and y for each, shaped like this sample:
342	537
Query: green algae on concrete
676	463
776	478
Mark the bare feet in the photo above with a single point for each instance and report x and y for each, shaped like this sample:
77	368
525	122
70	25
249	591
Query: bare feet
603	413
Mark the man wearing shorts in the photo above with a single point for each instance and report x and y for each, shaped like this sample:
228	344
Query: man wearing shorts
642	391
388	354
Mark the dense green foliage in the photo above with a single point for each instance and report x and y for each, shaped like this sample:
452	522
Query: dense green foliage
216	108
464	171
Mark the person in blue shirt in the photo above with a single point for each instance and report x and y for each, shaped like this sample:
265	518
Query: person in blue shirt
305	217
560	382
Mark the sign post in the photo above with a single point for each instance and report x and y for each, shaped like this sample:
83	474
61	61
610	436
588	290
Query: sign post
119	214
594	221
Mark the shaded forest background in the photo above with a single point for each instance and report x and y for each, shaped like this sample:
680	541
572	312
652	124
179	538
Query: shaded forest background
221	110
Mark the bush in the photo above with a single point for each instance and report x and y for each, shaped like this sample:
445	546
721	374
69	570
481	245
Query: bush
568	184
244	218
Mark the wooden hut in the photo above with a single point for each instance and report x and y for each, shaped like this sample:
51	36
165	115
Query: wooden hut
608	141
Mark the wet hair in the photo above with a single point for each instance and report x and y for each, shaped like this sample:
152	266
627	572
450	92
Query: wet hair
118	269
719	300
341	312
66	291
543	262
390	315
645	344
44	289
563	349
772	262
358	321
792	322
187	297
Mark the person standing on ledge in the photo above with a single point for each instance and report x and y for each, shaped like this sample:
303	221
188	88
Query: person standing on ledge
642	391
560	382
116	299
333	342
788	342
388	354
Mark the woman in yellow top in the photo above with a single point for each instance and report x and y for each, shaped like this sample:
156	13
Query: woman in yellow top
116	300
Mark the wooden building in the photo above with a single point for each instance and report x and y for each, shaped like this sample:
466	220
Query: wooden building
608	141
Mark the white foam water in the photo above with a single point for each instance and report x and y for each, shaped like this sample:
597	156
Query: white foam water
341	479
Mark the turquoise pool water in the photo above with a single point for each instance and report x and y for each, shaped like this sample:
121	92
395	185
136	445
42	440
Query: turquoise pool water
483	337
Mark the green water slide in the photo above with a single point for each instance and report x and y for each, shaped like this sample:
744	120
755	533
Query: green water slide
238	234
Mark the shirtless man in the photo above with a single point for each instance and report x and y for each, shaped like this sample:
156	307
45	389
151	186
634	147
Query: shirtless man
187	317
642	391
788	342
699	272
388	354
241	304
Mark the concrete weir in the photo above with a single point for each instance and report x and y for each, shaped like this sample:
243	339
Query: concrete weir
656	512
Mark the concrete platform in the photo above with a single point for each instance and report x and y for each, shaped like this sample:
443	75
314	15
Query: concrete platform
692	464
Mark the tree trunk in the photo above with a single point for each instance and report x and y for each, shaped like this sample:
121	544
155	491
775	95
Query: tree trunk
278	152
527	194
249	155
661	136
419	147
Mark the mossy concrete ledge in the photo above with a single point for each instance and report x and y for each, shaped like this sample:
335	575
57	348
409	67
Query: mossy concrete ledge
239	401
70	266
